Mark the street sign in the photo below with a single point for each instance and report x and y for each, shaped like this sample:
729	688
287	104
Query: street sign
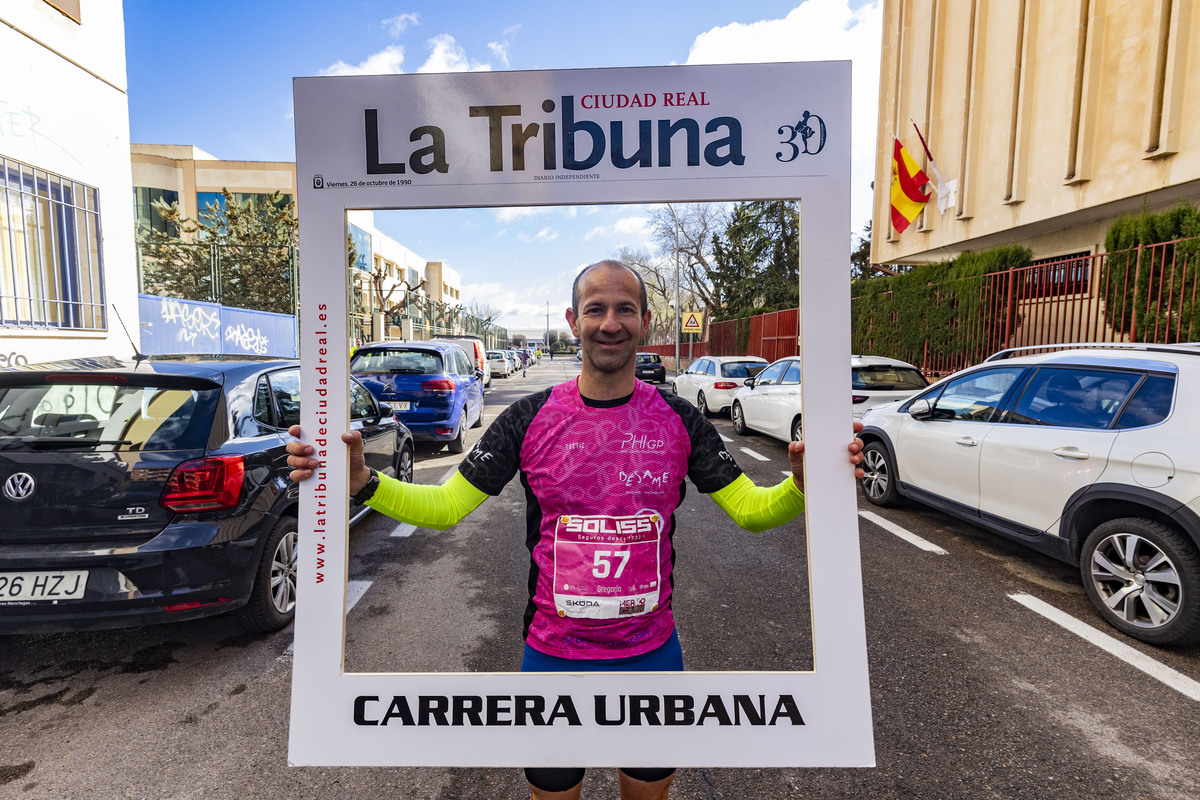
693	322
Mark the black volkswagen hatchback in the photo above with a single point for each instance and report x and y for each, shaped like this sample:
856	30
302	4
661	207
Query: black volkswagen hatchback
156	490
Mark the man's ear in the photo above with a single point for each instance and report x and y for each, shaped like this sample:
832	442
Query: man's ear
573	321
646	322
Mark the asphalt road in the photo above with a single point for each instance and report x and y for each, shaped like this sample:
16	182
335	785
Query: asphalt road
974	694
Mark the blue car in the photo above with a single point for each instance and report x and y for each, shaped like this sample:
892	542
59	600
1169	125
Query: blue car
434	387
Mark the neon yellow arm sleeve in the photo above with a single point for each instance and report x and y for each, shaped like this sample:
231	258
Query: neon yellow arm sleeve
439	507
757	508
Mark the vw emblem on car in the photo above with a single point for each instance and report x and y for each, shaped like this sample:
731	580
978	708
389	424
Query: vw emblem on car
19	486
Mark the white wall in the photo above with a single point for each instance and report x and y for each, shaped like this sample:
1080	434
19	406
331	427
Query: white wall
72	119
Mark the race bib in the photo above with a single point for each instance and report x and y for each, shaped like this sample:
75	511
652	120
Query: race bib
607	567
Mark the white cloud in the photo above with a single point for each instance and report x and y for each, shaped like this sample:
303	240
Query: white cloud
400	23
512	213
817	30
541	237
625	226
387	61
500	49
446	55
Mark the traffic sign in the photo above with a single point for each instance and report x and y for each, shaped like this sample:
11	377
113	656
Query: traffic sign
693	322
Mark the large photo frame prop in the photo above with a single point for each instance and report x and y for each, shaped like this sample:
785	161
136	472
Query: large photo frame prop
635	135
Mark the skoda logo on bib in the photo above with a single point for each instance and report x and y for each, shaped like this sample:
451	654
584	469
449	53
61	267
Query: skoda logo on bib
19	486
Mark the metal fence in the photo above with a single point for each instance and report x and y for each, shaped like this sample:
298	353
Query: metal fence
1145	294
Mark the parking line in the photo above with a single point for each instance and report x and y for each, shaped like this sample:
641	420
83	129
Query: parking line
405	529
753	454
354	592
907	536
1135	658
724	438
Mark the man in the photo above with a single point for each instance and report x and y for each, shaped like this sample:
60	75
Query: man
524	354
601	547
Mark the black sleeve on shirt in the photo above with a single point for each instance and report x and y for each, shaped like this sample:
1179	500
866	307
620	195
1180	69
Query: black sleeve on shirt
495	459
710	466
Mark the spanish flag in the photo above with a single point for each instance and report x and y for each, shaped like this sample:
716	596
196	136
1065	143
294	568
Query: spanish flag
907	181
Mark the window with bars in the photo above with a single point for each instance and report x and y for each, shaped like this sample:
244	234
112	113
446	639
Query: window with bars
51	271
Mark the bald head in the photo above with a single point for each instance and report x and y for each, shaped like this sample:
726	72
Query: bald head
608	264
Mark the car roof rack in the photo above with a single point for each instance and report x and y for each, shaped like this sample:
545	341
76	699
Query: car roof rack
1188	348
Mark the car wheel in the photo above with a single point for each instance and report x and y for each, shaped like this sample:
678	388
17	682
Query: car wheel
459	443
1144	578
797	430
739	421
702	405
879	476
404	464
674	388
273	598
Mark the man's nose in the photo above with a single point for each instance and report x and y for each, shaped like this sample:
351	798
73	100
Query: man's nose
611	321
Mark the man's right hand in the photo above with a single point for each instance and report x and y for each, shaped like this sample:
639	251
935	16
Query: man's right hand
303	464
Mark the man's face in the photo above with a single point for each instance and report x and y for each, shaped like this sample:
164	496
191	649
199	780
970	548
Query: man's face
610	321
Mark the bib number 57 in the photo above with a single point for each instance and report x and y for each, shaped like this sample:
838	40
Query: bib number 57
603	562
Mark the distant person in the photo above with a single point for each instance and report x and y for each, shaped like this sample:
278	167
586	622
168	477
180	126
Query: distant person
561	440
524	361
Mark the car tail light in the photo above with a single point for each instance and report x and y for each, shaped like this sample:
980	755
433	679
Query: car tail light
439	385
725	385
206	484
859	398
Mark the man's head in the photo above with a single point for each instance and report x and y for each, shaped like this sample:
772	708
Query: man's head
608	313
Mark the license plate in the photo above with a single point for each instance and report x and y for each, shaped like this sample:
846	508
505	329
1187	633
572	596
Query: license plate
24	586
399	405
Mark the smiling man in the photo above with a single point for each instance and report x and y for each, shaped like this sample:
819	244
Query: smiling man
603	459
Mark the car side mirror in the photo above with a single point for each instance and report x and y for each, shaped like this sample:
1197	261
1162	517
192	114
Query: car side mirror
386	411
748	383
920	409
479	374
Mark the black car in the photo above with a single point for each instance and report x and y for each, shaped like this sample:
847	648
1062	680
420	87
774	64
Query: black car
156	489
649	367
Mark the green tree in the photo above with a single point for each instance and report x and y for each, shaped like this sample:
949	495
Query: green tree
756	261
860	257
240	255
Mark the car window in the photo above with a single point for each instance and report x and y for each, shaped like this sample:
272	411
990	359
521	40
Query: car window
647	358
793	373
263	412
142	418
741	369
1072	397
974	397
362	406
887	378
710	368
285	390
699	368
464	363
1151	403
772	375
396	361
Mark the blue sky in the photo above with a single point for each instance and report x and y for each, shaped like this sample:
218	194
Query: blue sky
218	75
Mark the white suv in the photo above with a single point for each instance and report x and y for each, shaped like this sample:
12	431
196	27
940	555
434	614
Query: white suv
1090	453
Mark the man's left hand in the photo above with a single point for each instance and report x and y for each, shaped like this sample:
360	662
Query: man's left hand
796	457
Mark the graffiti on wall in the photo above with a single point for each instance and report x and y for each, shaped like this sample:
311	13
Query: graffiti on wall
192	321
13	359
249	339
169	325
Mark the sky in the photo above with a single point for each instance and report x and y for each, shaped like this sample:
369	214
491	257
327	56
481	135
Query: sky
218	75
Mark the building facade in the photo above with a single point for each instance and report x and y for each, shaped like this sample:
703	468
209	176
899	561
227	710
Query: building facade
1052	119
67	267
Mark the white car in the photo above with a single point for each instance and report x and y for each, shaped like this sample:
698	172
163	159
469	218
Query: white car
500	364
770	402
709	383
1089	454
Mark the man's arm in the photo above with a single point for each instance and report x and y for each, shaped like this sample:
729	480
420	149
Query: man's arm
438	507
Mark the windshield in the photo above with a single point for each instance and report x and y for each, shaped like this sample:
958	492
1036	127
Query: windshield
64	415
393	361
886	378
742	369
647	358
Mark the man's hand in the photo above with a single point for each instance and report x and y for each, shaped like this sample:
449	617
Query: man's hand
303	464
796	457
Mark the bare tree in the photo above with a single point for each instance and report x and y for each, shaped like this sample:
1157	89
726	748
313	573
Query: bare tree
384	298
686	230
485	312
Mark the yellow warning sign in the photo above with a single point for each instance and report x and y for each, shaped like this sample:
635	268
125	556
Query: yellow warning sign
693	322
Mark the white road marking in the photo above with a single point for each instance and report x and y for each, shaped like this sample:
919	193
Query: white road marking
907	536
405	529
724	438
354	592
753	454
1135	658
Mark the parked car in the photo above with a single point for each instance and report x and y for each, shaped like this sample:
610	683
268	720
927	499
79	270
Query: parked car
875	380
499	362
434	387
475	349
650	368
157	491
514	361
770	401
1090	454
710	382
